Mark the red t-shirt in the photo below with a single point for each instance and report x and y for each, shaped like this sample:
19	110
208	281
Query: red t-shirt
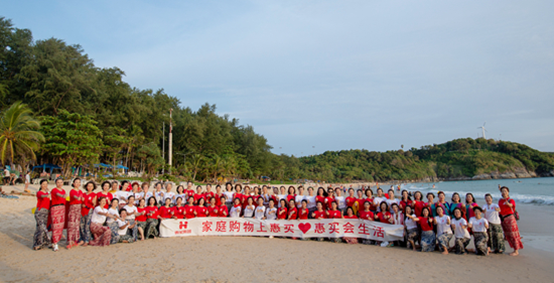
208	196
151	212
329	201
108	196
319	214
55	198
322	200
189	211
303	213
198	197
75	197
282	213
213	211
333	213
382	218
42	202
424	223
218	199
367	215
89	198
292	213
505	209
404	204
201	211
223	211
418	207
351	200
179	212
190	193
351	217
289	197
166	212
141	218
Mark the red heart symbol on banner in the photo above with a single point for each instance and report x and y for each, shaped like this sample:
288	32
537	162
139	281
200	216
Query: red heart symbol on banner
304	227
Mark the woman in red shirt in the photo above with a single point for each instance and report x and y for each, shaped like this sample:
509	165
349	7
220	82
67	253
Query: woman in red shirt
57	212
105	193
151	218
321	195
419	204
470	204
509	222
190	209
165	212
282	212
179	209
384	216
304	212
319	213
41	238
293	211
74	215
222	209
427	233
213	210
330	198
334	213
369	197
351	200
89	203
141	218
350	215
198	195
291	194
405	201
201	210
366	213
218	195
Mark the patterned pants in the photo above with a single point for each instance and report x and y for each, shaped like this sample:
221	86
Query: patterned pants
84	226
102	235
496	237
114	228
461	244
134	231
58	222
427	241
411	235
41	237
151	228
480	239
444	241
73	223
127	238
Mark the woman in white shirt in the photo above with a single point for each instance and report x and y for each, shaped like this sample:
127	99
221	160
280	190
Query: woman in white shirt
102	234
236	209
169	194
111	222
229	194
299	197
410	222
145	192
479	226
459	225
444	231
132	211
249	209
495	233
159	194
392	200
341	201
282	195
260	210
310	198
123	227
271	211
379	199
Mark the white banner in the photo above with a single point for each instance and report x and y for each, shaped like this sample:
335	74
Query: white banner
312	228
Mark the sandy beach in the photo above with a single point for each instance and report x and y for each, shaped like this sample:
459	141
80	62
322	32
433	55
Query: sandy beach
251	259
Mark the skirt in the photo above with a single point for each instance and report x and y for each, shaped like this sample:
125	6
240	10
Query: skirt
444	241
57	213
151	228
511	231
480	239
496	237
84	228
427	241
102	235
73	223
41	238
114	228
461	244
411	235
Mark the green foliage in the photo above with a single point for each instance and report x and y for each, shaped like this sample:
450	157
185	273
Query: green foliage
72	139
18	134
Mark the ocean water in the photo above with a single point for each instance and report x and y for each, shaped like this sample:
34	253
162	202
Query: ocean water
538	191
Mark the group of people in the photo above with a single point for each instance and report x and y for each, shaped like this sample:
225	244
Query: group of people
127	212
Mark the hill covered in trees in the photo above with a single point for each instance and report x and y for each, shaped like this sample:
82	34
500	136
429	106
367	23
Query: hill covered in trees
89	114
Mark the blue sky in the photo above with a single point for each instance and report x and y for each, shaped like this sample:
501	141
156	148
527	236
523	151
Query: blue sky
331	74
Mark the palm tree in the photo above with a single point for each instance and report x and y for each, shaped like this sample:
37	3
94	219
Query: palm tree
18	133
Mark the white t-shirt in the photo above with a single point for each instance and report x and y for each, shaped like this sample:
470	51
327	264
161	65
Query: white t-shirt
341	203
147	197
97	218
390	202
248	212
6	173
478	225
266	198
235	211
460	232
228	196
378	201
122	196
298	200
271	213
279	198
491	214
442	225
112	212
259	214
138	196
130	210
169	195
159	196
311	202
410	224
121	224
182	196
